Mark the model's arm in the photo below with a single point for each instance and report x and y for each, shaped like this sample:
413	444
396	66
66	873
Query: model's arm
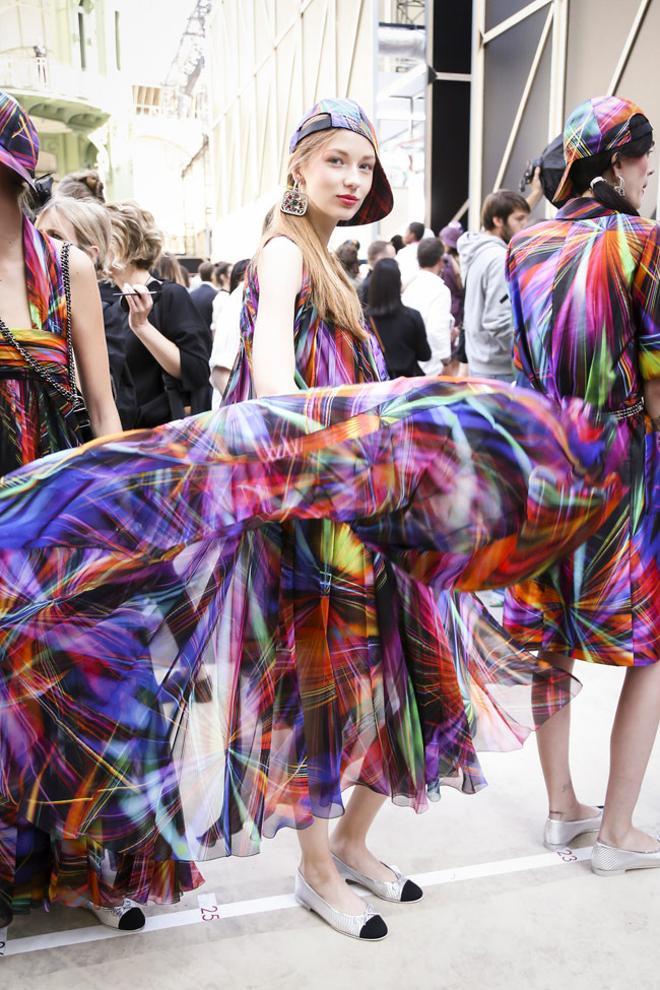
273	356
646	299
89	346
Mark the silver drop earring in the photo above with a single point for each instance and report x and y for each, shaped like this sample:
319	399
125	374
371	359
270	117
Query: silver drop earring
620	187
294	201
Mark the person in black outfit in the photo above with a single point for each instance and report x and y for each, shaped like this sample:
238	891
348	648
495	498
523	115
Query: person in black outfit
205	293
400	328
376	251
168	345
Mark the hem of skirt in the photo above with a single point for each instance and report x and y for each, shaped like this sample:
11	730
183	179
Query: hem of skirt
462	782
533	639
77	902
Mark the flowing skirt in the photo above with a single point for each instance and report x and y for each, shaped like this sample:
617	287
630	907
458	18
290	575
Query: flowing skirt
601	603
209	630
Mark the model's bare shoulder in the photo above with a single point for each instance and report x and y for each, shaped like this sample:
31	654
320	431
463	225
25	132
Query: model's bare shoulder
81	265
281	261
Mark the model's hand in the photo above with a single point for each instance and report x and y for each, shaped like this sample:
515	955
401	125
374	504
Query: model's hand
140	304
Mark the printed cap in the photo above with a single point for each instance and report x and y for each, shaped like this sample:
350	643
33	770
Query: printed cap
19	142
600	124
331	114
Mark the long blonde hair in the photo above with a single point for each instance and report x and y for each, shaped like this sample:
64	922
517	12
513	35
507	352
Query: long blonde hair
333	294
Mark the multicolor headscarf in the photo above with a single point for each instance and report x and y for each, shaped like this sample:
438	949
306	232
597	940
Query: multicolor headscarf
19	142
348	115
600	124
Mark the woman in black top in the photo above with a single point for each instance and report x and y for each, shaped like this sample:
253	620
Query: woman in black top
400	328
168	344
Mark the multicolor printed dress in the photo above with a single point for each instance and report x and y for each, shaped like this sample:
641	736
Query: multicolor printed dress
585	289
37	866
209	630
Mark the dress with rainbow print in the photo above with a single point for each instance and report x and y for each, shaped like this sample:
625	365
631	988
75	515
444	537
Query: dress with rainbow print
585	290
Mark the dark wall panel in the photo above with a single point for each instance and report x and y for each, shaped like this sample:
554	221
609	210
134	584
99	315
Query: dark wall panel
449	39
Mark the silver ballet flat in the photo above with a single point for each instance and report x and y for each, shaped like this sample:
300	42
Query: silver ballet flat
126	917
608	861
558	833
400	890
368	926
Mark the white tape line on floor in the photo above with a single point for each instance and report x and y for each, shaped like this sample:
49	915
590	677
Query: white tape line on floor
210	910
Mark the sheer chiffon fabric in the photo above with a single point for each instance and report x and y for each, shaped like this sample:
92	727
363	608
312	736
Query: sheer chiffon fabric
209	630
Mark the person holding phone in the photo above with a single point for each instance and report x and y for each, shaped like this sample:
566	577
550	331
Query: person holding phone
169	345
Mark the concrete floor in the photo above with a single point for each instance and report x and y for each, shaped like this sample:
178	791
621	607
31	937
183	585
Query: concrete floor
529	927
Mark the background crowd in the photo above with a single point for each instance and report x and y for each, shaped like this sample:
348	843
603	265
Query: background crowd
173	334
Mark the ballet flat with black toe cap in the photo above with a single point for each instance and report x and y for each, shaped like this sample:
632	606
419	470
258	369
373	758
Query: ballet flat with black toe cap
368	927
401	890
125	917
559	833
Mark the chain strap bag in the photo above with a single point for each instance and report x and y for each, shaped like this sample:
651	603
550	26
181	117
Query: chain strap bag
74	409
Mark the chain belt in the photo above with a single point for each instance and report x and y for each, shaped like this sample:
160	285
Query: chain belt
69	393
627	411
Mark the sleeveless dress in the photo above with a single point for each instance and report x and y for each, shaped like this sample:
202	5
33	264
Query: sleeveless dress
585	289
35	866
210	629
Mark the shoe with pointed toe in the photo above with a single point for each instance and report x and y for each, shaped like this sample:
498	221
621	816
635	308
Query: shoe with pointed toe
401	890
558	834
368	926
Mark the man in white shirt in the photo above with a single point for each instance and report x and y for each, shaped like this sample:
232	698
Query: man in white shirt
406	259
227	337
428	294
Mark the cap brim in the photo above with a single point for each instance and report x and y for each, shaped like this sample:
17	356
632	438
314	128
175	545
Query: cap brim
7	159
565	189
378	203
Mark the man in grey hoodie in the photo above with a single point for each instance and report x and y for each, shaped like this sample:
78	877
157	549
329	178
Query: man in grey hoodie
487	318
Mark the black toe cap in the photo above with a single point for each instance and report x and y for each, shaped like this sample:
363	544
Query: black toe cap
132	921
374	928
411	892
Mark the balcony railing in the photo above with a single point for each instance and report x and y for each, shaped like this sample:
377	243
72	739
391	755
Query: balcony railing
169	101
44	76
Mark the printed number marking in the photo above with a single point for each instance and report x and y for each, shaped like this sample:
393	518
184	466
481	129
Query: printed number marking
567	855
210	913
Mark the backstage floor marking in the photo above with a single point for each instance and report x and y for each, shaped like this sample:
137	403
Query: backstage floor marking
211	910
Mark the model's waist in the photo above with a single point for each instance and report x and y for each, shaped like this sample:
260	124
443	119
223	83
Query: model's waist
41	345
631	406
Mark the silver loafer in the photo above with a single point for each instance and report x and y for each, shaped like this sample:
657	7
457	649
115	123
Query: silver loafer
400	890
608	861
126	917
558	833
368	926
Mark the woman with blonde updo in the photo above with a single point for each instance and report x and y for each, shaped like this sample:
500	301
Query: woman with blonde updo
168	345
